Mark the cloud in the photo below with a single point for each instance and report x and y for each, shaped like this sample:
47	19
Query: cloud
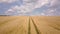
28	6
36	3
42	14
7	1
54	8
55	2
48	12
41	3
20	9
9	12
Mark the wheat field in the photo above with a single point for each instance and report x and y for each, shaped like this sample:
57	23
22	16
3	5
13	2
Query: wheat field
29	24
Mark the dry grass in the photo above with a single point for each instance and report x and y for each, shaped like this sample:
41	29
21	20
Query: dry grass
29	24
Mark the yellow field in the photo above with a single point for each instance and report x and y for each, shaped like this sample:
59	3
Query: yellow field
29	24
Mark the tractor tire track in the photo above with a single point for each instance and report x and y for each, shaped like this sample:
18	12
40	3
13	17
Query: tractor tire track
37	31
29	27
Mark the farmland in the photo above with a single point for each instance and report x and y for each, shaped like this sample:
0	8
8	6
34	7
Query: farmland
29	24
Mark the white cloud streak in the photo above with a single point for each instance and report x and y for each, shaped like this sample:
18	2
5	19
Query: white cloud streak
28	6
53	8
7	1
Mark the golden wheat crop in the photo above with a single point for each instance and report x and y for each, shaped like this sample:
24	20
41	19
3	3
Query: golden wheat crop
29	24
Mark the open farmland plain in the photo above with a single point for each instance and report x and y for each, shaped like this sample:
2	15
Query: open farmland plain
29	24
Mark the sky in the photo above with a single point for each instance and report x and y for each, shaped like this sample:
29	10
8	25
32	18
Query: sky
30	7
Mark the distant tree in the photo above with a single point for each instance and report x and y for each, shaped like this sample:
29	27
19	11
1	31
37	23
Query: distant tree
4	15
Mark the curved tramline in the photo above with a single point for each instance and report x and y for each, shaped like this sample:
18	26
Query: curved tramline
37	31
35	27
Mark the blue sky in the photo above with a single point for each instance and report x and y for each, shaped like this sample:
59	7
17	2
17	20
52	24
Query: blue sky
30	7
